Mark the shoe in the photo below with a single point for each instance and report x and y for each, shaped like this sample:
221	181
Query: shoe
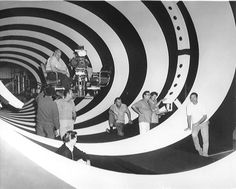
108	130
200	152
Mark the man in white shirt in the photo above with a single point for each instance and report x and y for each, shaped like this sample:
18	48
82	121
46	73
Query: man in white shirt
197	118
55	64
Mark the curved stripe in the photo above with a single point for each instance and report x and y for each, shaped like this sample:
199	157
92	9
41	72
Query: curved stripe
35	62
160	13
72	41
129	38
80	27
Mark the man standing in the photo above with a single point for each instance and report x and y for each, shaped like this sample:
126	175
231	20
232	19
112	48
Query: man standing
143	109
197	118
47	119
67	114
117	113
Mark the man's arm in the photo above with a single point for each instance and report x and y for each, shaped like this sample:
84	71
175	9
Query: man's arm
136	109
204	117
189	118
111	111
78	154
129	115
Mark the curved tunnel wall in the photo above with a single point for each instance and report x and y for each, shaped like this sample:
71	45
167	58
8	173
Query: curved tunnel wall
148	45
165	54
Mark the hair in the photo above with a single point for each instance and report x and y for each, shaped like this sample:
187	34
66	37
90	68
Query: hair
57	50
154	93
117	98
66	91
69	136
145	92
49	91
194	93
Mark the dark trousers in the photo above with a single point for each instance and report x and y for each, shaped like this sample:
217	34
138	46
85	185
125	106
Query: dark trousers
45	130
120	128
65	81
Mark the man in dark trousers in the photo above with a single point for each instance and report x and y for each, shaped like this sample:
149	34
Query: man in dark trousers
47	119
69	150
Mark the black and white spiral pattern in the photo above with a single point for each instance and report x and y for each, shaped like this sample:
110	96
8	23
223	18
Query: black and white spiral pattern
149	45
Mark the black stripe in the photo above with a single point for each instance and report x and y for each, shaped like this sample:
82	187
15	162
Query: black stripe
134	48
22	54
194	53
29	39
66	40
184	51
16	123
41	53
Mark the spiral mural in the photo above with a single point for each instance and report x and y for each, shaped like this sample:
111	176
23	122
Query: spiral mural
173	48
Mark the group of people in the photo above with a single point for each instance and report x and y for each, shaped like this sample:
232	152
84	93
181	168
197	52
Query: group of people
55	64
54	117
149	113
147	109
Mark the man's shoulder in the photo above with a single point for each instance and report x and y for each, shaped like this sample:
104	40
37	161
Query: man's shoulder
112	106
123	105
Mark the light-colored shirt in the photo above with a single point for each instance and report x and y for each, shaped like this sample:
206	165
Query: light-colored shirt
120	112
53	65
155	111
66	109
197	111
145	109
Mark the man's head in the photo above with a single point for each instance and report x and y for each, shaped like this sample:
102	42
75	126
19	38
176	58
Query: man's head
49	91
118	102
194	98
57	53
146	95
68	93
154	95
70	137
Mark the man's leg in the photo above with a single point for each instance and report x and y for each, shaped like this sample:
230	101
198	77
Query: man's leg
111	122
195	131
205	137
120	128
144	127
39	130
49	132
65	81
147	127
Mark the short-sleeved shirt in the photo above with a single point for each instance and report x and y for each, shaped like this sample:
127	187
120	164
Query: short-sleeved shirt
66	109
155	110
53	64
197	111
145	109
120	112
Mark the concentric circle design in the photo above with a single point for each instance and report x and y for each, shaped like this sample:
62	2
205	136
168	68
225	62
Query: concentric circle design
149	45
